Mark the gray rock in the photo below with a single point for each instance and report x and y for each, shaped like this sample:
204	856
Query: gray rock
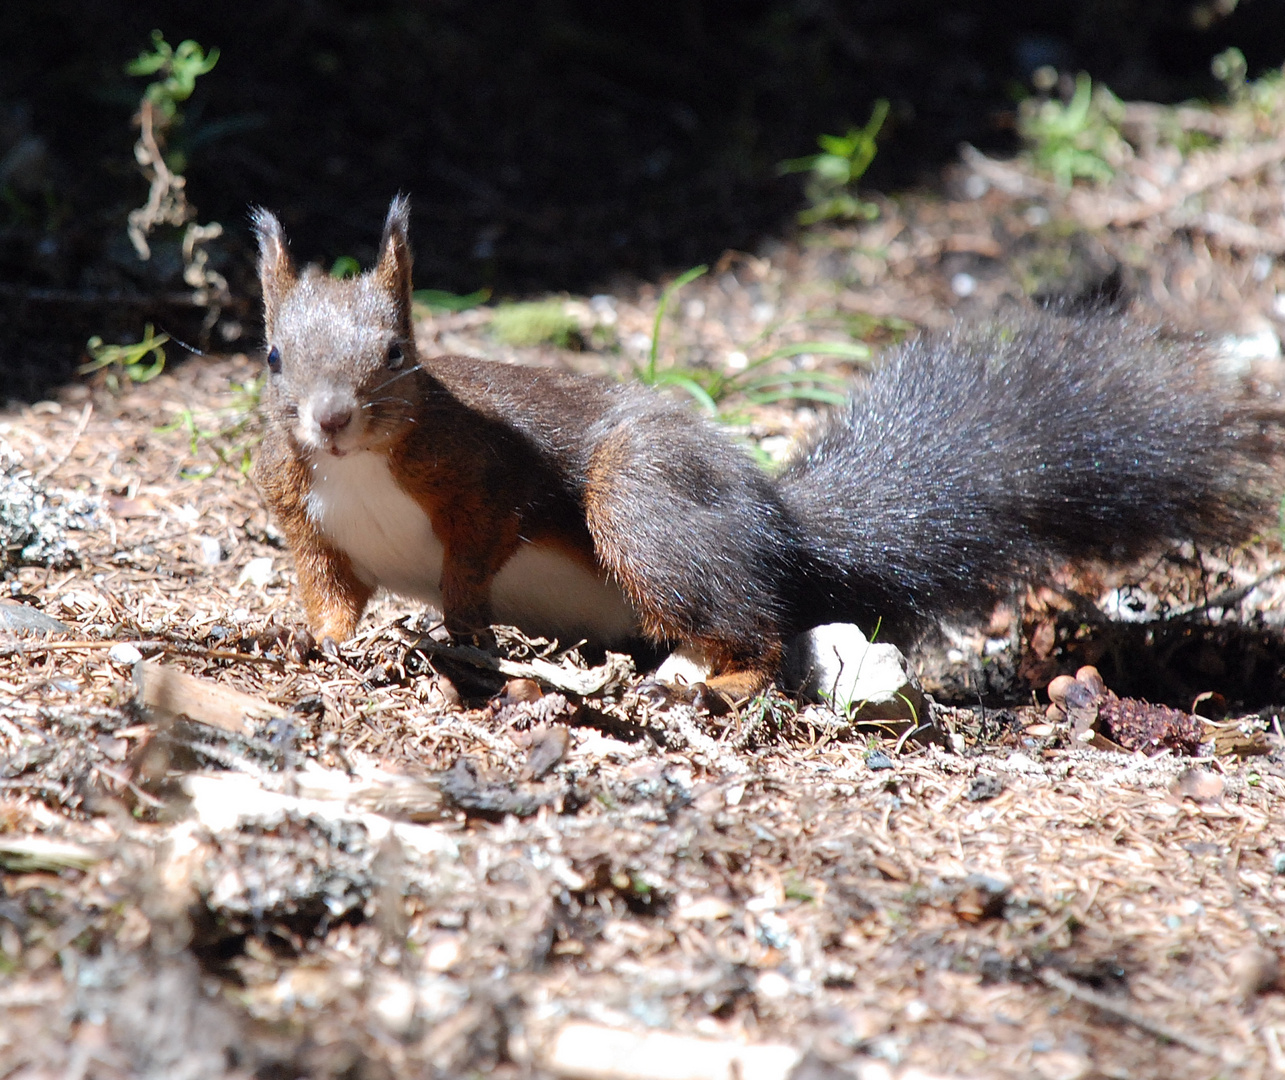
22	618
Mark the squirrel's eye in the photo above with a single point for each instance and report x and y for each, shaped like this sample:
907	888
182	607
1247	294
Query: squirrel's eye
395	356
274	359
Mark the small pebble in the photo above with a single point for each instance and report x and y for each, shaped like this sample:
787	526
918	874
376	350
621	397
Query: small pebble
124	653
916	1011
983	788
773	985
443	952
518	690
257	572
393	1002
22	618
211	550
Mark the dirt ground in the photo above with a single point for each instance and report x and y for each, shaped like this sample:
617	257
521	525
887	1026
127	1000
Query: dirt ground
370	867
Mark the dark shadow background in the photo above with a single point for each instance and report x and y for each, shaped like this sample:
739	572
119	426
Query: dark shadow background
548	144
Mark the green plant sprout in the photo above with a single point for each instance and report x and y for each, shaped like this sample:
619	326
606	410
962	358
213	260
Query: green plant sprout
130	361
1079	139
167	196
649	374
441	302
1264	96
230	437
843	160
345	267
179	67
710	387
1231	69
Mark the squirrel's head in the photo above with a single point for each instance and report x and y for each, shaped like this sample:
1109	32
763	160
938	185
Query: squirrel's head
341	354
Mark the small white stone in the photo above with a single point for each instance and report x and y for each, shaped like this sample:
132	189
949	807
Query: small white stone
837	664
777	447
773	986
124	653
963	284
1237	353
211	550
393	1001
257	572
442	953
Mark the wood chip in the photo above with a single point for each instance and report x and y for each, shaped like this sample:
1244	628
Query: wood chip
171	693
592	1052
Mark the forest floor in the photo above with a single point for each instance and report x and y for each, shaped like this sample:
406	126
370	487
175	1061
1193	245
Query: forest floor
365	865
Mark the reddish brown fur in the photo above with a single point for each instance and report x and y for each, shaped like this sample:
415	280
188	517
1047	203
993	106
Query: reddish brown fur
333	596
449	445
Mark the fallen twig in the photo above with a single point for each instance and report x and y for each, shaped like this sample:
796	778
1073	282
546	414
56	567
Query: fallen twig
1055	980
167	648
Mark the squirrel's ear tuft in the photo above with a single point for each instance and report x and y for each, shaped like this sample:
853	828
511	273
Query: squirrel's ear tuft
276	271
393	270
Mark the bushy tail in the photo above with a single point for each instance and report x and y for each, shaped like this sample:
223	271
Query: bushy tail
980	456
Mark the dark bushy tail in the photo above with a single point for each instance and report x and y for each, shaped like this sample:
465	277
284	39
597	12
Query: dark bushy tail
980	456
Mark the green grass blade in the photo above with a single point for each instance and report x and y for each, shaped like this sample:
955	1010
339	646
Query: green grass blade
796	393
684	278
851	350
687	383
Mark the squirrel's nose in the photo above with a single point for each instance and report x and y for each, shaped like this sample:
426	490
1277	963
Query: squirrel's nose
332	418
332	411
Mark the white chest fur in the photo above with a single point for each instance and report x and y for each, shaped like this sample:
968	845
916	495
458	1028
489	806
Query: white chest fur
365	513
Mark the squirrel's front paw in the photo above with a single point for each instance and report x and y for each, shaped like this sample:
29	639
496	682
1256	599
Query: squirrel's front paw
294	642
483	638
471	629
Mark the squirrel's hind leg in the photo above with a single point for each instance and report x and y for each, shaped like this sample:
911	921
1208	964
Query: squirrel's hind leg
692	532
740	678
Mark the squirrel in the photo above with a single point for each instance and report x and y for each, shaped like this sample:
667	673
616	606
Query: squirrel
584	508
